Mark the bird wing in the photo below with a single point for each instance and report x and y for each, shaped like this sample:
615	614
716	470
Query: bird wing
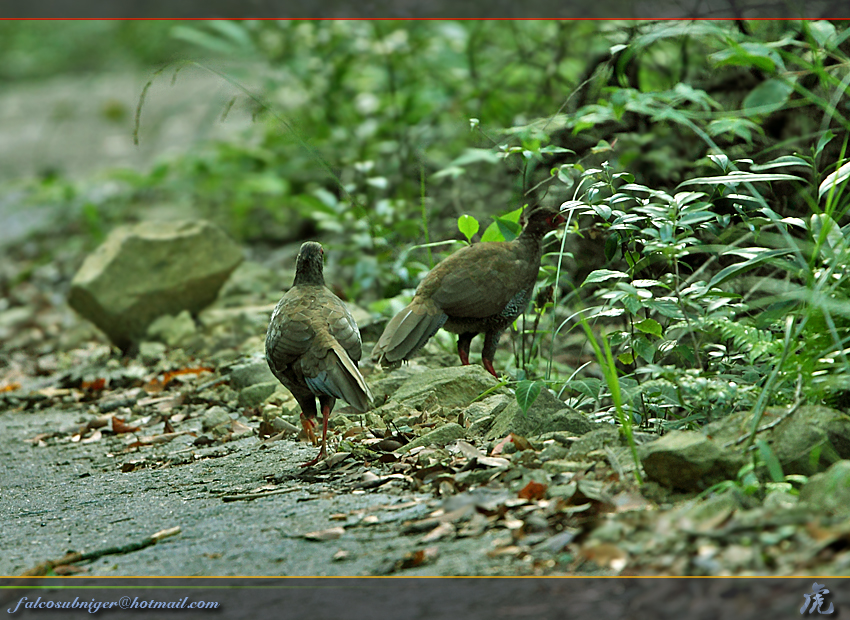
291	331
341	325
478	281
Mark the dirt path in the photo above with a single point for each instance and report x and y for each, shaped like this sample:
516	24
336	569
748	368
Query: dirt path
74	497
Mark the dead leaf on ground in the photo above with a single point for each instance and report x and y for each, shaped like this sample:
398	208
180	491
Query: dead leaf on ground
157	385
413	559
95	436
155	439
608	555
69	569
533	491
93	386
119	427
521	444
329	534
443	530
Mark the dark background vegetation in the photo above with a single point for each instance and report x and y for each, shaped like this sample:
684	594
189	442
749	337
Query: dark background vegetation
701	164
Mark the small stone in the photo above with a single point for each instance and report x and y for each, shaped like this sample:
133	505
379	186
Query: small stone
250	373
254	395
563	466
172	330
595	440
438	437
214	416
554	452
151	352
480	426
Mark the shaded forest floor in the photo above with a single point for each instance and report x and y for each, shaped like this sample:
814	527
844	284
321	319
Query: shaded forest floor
102	452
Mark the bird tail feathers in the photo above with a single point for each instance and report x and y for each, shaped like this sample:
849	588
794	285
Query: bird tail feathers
408	331
345	376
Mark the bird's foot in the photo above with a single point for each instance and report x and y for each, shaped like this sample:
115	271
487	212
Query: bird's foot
309	430
320	457
488	364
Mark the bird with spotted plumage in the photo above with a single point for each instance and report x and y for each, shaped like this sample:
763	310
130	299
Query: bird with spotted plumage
313	347
480	288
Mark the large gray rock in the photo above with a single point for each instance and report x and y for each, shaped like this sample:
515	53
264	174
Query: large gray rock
540	418
811	440
152	269
688	461
452	387
829	492
805	442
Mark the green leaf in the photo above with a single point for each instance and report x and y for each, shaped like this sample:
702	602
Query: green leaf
379	182
644	348
824	33
826	138
504	227
756	55
834	178
781	162
510	230
234	31
650	326
612	244
600	275
586	387
526	393
769	458
740	177
627	358
492	233
468	225
265	184
834	238
739	127
768	96
756	257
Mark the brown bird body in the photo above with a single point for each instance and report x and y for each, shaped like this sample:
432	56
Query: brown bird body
313	346
480	288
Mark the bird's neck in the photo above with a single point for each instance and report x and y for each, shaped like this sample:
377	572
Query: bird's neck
530	242
308	275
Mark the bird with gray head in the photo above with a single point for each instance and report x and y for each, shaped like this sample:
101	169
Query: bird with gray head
313	346
480	288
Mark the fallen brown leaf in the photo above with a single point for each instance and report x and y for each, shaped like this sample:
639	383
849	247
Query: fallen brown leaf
533	491
119	427
444	530
329	534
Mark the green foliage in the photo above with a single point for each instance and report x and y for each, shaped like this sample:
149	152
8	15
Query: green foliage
467	225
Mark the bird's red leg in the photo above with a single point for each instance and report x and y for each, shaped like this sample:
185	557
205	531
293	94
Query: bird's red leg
308	426
488	364
491	340
463	342
326	414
